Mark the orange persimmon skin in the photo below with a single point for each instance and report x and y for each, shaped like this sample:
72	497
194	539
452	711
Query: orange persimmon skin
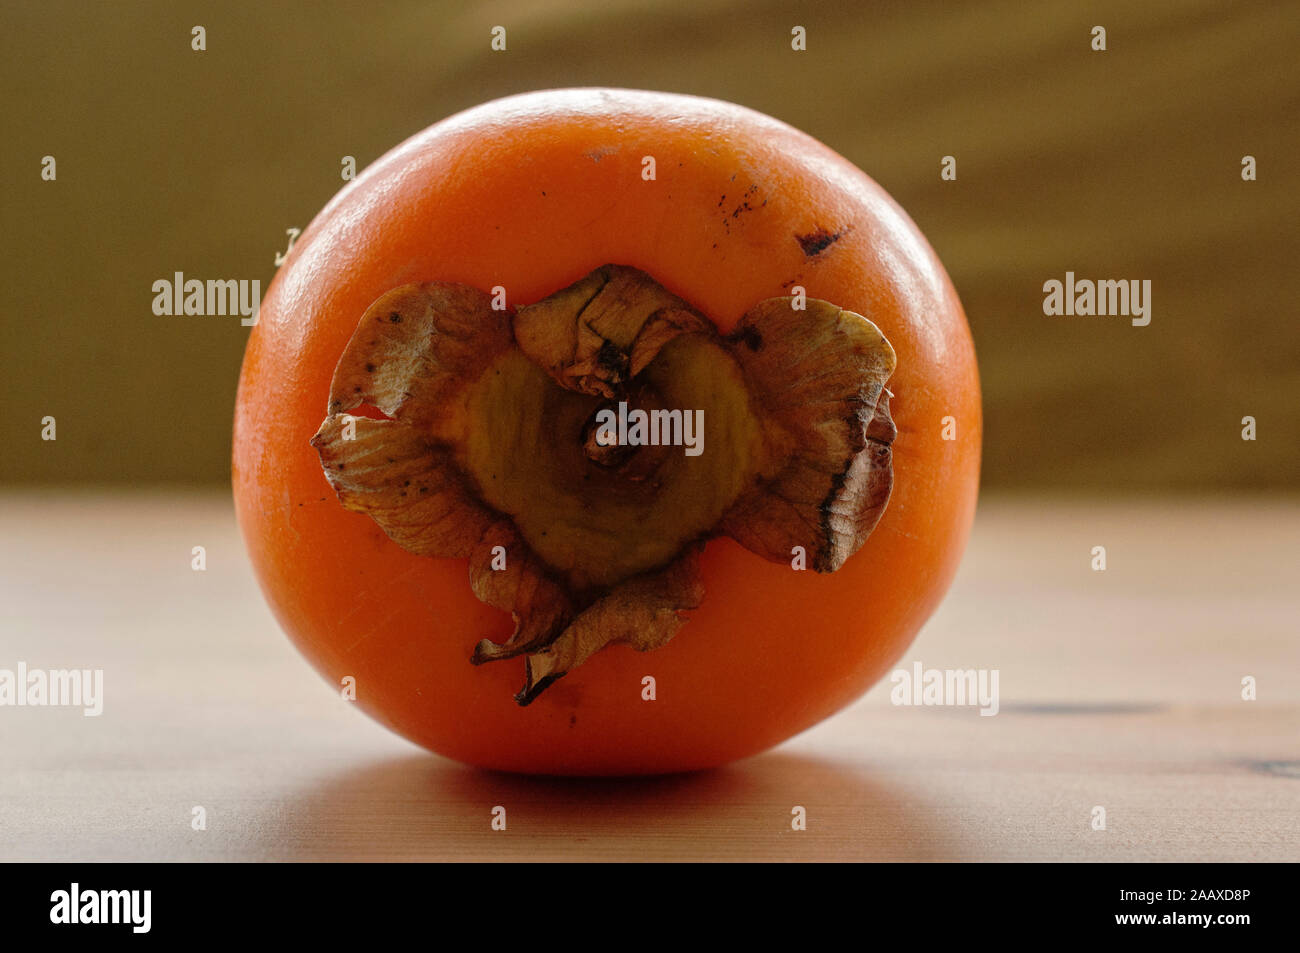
531	193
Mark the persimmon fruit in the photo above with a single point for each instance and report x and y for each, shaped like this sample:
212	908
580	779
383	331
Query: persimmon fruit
650	404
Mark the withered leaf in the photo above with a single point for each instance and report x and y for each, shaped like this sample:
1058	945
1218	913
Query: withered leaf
644	612
418	346
540	606
604	329
807	449
818	377
410	487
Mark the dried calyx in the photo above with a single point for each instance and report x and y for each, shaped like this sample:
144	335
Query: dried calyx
514	440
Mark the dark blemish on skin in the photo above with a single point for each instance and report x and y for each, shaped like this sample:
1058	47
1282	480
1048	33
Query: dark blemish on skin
342	466
743	205
395	317
817	242
356	390
721	200
573	720
370	368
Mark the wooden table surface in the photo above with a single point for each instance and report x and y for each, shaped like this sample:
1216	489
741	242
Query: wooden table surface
1119	689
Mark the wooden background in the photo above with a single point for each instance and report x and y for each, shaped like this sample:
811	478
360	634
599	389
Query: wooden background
1118	689
1122	164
